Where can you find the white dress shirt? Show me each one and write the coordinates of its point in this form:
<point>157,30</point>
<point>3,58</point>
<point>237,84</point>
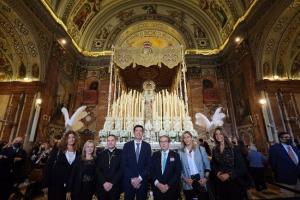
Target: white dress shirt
<point>191,162</point>
<point>286,147</point>
<point>162,157</point>
<point>135,146</point>
<point>70,155</point>
<point>161,161</point>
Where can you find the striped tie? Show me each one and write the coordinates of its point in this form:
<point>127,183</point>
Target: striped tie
<point>137,152</point>
<point>292,155</point>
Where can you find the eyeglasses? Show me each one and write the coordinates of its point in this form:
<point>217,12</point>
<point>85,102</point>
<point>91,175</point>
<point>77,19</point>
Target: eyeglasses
<point>164,141</point>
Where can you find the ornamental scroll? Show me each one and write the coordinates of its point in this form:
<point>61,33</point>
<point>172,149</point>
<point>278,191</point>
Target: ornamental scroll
<point>147,56</point>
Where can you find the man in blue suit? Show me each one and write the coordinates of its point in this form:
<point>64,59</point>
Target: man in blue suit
<point>136,158</point>
<point>165,171</point>
<point>284,159</point>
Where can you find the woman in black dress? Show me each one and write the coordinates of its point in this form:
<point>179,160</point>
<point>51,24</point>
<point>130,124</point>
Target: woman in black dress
<point>83,177</point>
<point>229,168</point>
<point>59,167</point>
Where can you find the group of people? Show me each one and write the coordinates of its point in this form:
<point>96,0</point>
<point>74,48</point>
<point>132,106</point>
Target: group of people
<point>196,171</point>
<point>12,162</point>
<point>73,175</point>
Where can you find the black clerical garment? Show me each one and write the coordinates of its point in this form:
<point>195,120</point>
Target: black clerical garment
<point>108,169</point>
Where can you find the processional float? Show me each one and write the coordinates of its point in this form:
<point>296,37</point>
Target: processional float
<point>163,112</point>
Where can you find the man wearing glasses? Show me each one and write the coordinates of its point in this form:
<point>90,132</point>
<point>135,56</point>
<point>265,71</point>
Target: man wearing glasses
<point>284,160</point>
<point>165,171</point>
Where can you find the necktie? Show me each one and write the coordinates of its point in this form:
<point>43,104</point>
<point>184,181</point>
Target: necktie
<point>137,152</point>
<point>292,155</point>
<point>164,162</point>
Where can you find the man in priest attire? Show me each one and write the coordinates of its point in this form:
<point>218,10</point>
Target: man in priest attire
<point>108,171</point>
<point>136,158</point>
<point>165,171</point>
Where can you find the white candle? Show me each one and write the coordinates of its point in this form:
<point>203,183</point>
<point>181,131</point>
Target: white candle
<point>143,109</point>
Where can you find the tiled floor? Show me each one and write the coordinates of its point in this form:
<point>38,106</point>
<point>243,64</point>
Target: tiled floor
<point>273,192</point>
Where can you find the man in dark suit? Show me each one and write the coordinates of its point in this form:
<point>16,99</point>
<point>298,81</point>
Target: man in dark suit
<point>136,158</point>
<point>12,162</point>
<point>284,159</point>
<point>108,170</point>
<point>165,171</point>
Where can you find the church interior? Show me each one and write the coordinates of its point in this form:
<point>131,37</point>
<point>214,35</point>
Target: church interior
<point>155,63</point>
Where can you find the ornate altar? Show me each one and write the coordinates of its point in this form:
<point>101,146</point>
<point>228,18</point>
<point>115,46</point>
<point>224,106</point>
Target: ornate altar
<point>160,111</point>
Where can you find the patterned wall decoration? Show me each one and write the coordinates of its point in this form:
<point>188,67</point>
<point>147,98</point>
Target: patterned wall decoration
<point>5,68</point>
<point>240,99</point>
<point>21,44</point>
<point>208,22</point>
<point>295,69</point>
<point>277,46</point>
<point>195,35</point>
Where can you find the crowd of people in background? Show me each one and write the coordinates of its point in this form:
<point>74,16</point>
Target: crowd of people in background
<point>64,171</point>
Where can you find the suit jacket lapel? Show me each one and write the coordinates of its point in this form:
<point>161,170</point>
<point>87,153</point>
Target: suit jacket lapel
<point>65,157</point>
<point>142,147</point>
<point>159,162</point>
<point>283,150</point>
<point>133,149</point>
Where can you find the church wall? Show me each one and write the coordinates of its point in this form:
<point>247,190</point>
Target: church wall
<point>16,99</point>
<point>283,106</point>
<point>92,91</point>
<point>206,92</point>
<point>4,99</point>
<point>58,90</point>
<point>249,122</point>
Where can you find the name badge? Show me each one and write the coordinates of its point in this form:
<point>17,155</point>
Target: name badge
<point>172,159</point>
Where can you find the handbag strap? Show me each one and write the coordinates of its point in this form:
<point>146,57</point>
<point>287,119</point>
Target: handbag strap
<point>202,158</point>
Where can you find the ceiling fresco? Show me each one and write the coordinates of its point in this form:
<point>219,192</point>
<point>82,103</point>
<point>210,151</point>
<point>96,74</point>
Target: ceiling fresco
<point>23,47</point>
<point>278,51</point>
<point>95,25</point>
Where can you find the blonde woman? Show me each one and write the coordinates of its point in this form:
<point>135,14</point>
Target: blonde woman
<point>83,177</point>
<point>59,166</point>
<point>195,168</point>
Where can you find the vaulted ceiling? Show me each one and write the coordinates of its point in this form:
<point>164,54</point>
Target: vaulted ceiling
<point>23,44</point>
<point>95,25</point>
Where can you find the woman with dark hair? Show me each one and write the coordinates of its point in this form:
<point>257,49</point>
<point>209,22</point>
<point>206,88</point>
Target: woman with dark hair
<point>82,182</point>
<point>229,168</point>
<point>59,166</point>
<point>195,168</point>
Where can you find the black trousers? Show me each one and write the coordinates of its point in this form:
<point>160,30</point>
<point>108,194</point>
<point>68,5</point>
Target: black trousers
<point>6,187</point>
<point>172,194</point>
<point>230,190</point>
<point>57,192</point>
<point>198,191</point>
<point>190,194</point>
<point>139,194</point>
<point>257,174</point>
<point>113,194</point>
